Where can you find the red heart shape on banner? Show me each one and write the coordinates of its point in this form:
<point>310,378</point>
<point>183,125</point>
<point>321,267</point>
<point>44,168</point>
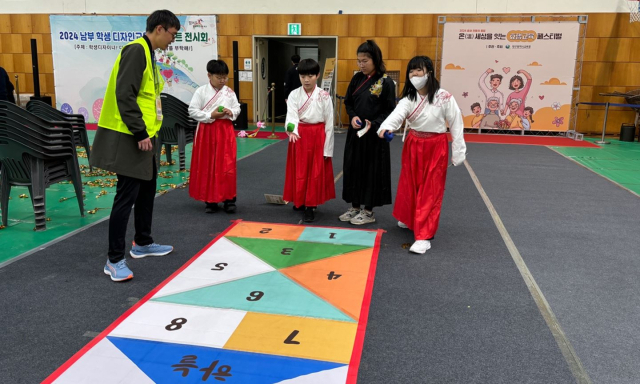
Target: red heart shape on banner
<point>506,69</point>
<point>541,97</point>
<point>167,73</point>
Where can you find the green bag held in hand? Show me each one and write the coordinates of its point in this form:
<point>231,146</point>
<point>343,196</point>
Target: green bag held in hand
<point>220,108</point>
<point>290,127</point>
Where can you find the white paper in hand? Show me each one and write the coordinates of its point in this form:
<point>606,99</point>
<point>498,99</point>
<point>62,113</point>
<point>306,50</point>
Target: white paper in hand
<point>364,130</point>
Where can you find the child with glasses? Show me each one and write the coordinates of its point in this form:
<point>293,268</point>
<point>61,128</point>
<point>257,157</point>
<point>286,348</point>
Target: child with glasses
<point>213,160</point>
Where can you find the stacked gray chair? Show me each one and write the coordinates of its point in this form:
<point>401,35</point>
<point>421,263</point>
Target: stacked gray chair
<point>177,128</point>
<point>47,112</point>
<point>35,153</point>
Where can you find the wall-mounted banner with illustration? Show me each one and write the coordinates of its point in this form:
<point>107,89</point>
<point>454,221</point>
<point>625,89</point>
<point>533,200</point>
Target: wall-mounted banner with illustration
<point>516,76</point>
<point>85,48</point>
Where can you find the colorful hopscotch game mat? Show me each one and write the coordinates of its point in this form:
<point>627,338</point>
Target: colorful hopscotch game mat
<point>261,304</point>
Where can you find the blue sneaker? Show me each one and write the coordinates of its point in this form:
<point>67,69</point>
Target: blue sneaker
<point>118,271</point>
<point>153,249</point>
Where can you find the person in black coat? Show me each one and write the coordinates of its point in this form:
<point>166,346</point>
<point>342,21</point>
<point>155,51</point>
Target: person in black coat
<point>6,87</point>
<point>291,78</point>
<point>370,98</point>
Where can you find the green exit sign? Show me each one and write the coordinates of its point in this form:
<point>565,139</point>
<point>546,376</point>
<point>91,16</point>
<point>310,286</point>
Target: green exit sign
<point>295,29</point>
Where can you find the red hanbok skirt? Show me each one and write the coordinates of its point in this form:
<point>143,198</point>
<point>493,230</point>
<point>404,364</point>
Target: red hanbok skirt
<point>421,187</point>
<point>309,177</point>
<point>213,162</point>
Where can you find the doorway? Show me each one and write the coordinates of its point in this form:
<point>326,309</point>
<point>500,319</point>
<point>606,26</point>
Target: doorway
<point>272,58</point>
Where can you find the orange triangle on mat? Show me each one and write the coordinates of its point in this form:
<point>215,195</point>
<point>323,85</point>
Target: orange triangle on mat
<point>340,280</point>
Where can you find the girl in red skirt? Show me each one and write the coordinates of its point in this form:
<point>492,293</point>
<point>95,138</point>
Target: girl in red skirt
<point>213,159</point>
<point>309,178</point>
<point>427,109</point>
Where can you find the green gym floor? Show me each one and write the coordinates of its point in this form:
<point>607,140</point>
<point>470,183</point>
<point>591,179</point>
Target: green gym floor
<point>618,161</point>
<point>63,213</point>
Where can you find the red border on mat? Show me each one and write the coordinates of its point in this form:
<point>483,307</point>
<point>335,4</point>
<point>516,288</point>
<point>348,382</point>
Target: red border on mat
<point>120,319</point>
<point>354,364</point>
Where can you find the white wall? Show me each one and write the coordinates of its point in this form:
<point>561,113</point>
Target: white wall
<point>206,7</point>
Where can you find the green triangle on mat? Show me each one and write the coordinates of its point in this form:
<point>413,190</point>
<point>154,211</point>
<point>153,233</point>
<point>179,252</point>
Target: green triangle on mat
<point>269,292</point>
<point>284,253</point>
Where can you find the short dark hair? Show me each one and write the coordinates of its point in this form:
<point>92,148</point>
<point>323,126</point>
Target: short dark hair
<point>496,76</point>
<point>370,48</point>
<point>163,17</point>
<point>295,59</point>
<point>475,105</point>
<point>217,67</point>
<point>308,67</point>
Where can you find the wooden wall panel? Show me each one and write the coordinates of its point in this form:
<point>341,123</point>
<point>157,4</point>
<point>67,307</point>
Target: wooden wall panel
<point>590,121</point>
<point>228,25</point>
<point>362,25</point>
<point>347,47</point>
<point>420,25</point>
<point>278,24</point>
<point>246,25</point>
<point>245,46</point>
<point>5,23</point>
<point>40,23</point>
<point>335,25</point>
<point>246,90</point>
<point>311,24</point>
<point>614,49</point>
<point>6,62</point>
<point>21,23</point>
<point>223,46</point>
<point>427,46</point>
<point>260,24</point>
<point>402,47</point>
<point>389,25</point>
<point>591,49</point>
<point>345,69</point>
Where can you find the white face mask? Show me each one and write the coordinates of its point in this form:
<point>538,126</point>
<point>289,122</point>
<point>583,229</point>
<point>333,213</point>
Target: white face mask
<point>419,82</point>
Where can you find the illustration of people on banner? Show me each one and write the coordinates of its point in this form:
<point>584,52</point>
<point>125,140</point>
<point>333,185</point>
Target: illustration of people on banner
<point>511,76</point>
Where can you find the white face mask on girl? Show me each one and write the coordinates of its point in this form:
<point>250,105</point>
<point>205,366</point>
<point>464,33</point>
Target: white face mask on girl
<point>419,82</point>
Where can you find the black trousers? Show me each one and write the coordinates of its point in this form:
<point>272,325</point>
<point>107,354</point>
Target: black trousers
<point>130,191</point>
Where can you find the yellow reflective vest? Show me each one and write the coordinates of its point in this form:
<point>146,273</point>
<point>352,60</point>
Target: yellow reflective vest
<point>150,89</point>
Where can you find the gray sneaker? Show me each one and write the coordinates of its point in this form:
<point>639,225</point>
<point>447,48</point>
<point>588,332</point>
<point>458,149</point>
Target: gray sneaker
<point>350,214</point>
<point>364,217</point>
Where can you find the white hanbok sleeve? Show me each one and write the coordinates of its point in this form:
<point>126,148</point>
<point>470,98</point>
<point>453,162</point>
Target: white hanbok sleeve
<point>235,106</point>
<point>453,115</point>
<point>327,108</point>
<point>292,112</point>
<point>196,105</point>
<point>393,122</point>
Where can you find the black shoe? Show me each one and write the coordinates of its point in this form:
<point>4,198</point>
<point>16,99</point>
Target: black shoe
<point>211,208</point>
<point>308,215</point>
<point>229,207</point>
<point>299,209</point>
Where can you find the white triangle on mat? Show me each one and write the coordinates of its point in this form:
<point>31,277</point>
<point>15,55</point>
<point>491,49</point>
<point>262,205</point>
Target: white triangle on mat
<point>206,269</point>
<point>330,376</point>
<point>181,324</point>
<point>103,364</point>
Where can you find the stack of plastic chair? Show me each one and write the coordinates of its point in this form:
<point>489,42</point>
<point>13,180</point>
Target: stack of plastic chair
<point>35,153</point>
<point>177,128</point>
<point>47,112</point>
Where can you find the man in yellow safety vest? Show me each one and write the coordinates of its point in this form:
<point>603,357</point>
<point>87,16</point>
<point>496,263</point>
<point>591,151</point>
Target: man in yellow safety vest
<point>131,117</point>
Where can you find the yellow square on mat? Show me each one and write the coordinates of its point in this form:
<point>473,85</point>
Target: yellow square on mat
<point>301,337</point>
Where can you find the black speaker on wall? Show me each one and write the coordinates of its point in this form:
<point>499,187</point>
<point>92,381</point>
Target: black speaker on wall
<point>36,74</point>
